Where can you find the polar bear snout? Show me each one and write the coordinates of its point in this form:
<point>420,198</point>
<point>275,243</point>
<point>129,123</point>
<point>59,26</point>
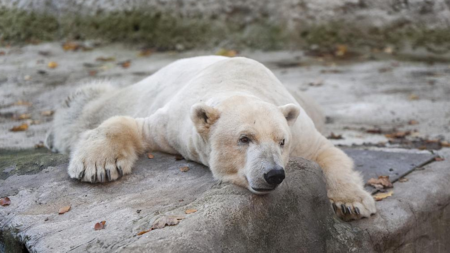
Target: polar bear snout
<point>275,176</point>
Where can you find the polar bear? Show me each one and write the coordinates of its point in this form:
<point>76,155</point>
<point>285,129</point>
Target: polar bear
<point>230,114</point>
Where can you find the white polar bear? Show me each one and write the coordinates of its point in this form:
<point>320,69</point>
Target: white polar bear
<point>231,114</point>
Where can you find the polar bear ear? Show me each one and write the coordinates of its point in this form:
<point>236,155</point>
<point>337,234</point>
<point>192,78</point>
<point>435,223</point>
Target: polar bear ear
<point>204,117</point>
<point>290,112</point>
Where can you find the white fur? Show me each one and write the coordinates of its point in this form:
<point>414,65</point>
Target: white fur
<point>199,108</point>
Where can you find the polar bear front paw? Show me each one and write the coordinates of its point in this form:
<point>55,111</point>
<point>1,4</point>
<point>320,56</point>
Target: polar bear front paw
<point>351,202</point>
<point>101,156</point>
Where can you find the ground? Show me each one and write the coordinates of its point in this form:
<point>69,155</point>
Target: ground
<point>377,101</point>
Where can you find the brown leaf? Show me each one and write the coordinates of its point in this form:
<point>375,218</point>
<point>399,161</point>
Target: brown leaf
<point>178,157</point>
<point>445,144</point>
<point>52,65</point>
<point>341,50</point>
<point>145,231</point>
<point>335,136</point>
<point>150,156</point>
<point>225,52</point>
<point>189,211</point>
<point>105,59</point>
<point>71,46</point>
<point>413,97</point>
<point>24,116</point>
<point>397,135</point>
<point>20,128</point>
<point>184,169</point>
<point>99,225</point>
<point>5,201</point>
<point>383,195</point>
<point>166,221</point>
<point>21,102</point>
<point>125,64</point>
<point>64,209</point>
<point>145,52</point>
<point>382,182</point>
<point>47,113</point>
<point>374,131</point>
<point>413,122</point>
<point>439,159</point>
<point>93,72</point>
<point>2,53</point>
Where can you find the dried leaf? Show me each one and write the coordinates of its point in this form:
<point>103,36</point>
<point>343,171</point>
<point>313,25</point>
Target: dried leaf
<point>2,53</point>
<point>39,145</point>
<point>47,113</point>
<point>20,128</point>
<point>150,156</point>
<point>413,97</point>
<point>21,102</point>
<point>24,116</point>
<point>179,157</point>
<point>166,221</point>
<point>413,122</point>
<point>335,136</point>
<point>225,52</point>
<point>145,52</point>
<point>52,65</point>
<point>125,64</point>
<point>439,159</point>
<point>105,59</point>
<point>383,195</point>
<point>445,144</point>
<point>397,135</point>
<point>64,209</point>
<point>341,50</point>
<point>92,72</point>
<point>403,180</point>
<point>145,231</point>
<point>382,182</point>
<point>71,46</point>
<point>184,169</point>
<point>189,211</point>
<point>99,225</point>
<point>374,131</point>
<point>5,201</point>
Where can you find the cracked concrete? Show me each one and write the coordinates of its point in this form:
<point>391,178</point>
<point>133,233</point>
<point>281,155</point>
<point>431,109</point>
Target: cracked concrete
<point>356,94</point>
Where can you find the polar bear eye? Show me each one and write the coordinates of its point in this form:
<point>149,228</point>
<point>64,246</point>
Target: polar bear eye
<point>244,140</point>
<point>282,143</point>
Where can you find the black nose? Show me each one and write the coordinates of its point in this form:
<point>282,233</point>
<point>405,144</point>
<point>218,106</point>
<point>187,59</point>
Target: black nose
<point>275,176</point>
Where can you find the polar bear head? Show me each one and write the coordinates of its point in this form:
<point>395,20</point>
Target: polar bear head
<point>250,140</point>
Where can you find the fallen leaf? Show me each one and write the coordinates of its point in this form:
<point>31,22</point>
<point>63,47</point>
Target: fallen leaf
<point>179,157</point>
<point>145,52</point>
<point>397,135</point>
<point>445,144</point>
<point>439,159</point>
<point>5,201</point>
<point>24,116</point>
<point>70,46</point>
<point>335,136</point>
<point>413,97</point>
<point>105,59</point>
<point>383,195</point>
<point>150,156</point>
<point>20,128</point>
<point>99,225</point>
<point>184,169</point>
<point>64,209</point>
<point>382,182</point>
<point>2,53</point>
<point>374,131</point>
<point>189,211</point>
<point>125,64</point>
<point>47,113</point>
<point>21,102</point>
<point>39,145</point>
<point>341,50</point>
<point>403,180</point>
<point>145,231</point>
<point>52,65</point>
<point>225,52</point>
<point>413,122</point>
<point>93,73</point>
<point>166,221</point>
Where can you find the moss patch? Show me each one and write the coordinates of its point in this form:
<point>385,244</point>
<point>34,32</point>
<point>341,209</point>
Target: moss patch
<point>30,161</point>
